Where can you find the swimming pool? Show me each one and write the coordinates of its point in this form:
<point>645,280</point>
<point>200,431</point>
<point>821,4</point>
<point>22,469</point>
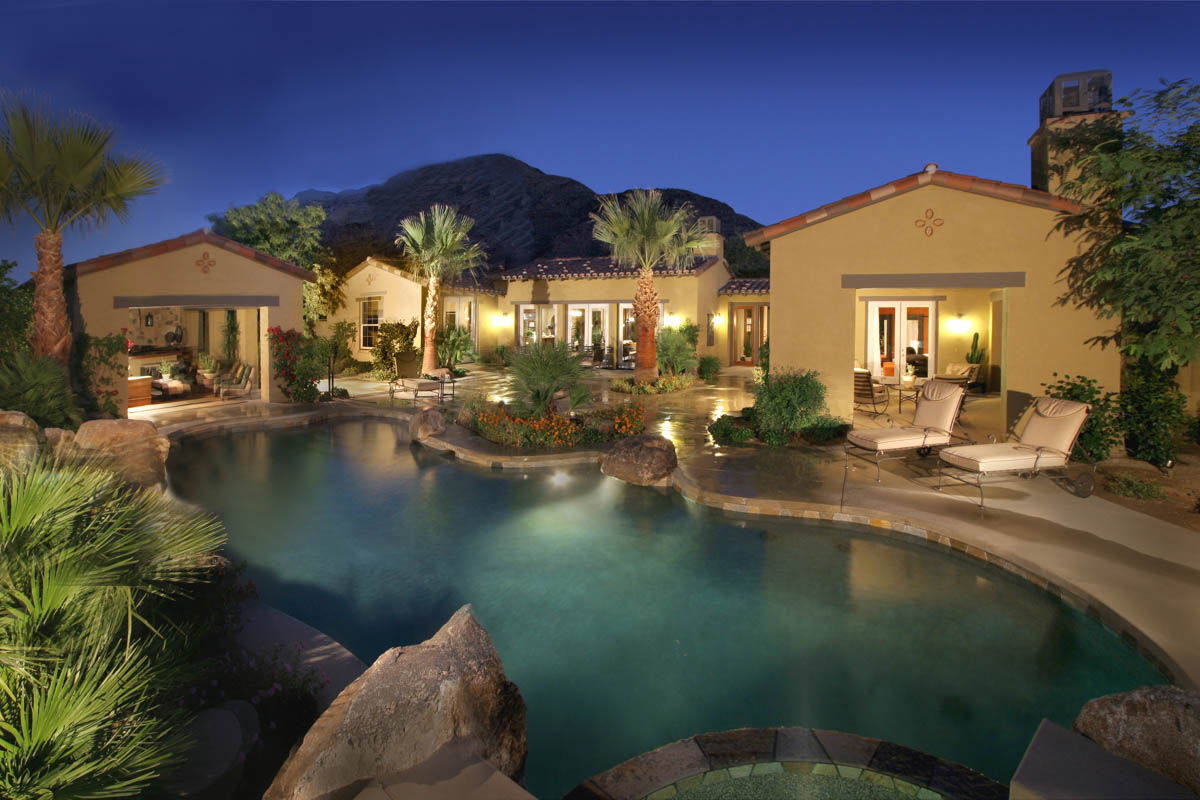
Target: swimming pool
<point>630,618</point>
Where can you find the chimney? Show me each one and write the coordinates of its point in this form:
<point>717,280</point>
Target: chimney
<point>1069,99</point>
<point>715,245</point>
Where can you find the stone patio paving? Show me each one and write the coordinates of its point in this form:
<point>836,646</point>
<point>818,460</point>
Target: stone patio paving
<point>1124,563</point>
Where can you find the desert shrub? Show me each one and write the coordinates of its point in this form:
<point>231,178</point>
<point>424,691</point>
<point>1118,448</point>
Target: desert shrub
<point>1153,413</point>
<point>762,373</point>
<point>789,401</point>
<point>454,345</point>
<point>392,338</point>
<point>88,664</point>
<point>1102,431</point>
<point>352,366</point>
<point>775,438</point>
<point>661,385</point>
<point>824,429</point>
<point>503,355</point>
<point>690,332</point>
<point>16,312</point>
<point>726,429</point>
<point>38,387</point>
<point>675,353</point>
<point>709,367</point>
<point>1132,486</point>
<point>543,370</point>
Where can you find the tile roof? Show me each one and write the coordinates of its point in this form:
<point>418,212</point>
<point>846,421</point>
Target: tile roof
<point>471,282</point>
<point>204,235</point>
<point>559,269</point>
<point>746,286</point>
<point>930,175</point>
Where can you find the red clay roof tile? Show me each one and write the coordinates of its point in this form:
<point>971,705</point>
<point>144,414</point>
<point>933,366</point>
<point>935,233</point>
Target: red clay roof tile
<point>180,242</point>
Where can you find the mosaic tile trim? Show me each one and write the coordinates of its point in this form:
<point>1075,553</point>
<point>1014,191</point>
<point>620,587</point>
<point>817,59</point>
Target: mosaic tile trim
<point>711,758</point>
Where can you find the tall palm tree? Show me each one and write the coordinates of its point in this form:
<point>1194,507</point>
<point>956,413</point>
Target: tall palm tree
<point>436,246</point>
<point>644,232</point>
<point>58,171</point>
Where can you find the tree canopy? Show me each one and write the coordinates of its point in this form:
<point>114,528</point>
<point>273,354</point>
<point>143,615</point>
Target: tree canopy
<point>745,261</point>
<point>1137,175</point>
<point>291,232</point>
<point>16,312</point>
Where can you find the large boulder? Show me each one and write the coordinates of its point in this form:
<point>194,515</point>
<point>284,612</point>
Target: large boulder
<point>1155,726</point>
<point>20,439</point>
<point>132,448</point>
<point>408,705</point>
<point>645,459</point>
<point>59,442</point>
<point>425,423</point>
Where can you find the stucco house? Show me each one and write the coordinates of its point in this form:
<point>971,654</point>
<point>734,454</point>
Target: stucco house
<point>176,296</point>
<point>910,270</point>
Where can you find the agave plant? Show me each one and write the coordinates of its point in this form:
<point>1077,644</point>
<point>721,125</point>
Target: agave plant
<point>88,567</point>
<point>542,371</point>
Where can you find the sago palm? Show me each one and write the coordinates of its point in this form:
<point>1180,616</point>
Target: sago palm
<point>644,233</point>
<point>59,171</point>
<point>436,246</point>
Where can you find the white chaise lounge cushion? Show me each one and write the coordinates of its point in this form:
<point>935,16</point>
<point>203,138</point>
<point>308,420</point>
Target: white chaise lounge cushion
<point>1054,423</point>
<point>908,438</point>
<point>1009,456</point>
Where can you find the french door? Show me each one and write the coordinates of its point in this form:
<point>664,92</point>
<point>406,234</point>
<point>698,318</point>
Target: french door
<point>902,334</point>
<point>587,324</point>
<point>748,330</point>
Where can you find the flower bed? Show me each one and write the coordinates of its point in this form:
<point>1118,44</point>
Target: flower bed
<point>495,424</point>
<point>665,383</point>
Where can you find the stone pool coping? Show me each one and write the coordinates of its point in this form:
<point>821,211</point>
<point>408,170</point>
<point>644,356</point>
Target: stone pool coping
<point>709,758</point>
<point>467,449</point>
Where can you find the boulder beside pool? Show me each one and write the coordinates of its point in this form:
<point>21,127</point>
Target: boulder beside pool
<point>134,449</point>
<point>1155,726</point>
<point>406,707</point>
<point>646,459</point>
<point>425,423</point>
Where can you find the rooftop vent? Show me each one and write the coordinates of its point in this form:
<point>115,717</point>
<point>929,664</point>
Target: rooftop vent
<point>1076,93</point>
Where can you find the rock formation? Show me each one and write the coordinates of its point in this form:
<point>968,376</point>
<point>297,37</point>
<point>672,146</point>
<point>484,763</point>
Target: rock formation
<point>645,459</point>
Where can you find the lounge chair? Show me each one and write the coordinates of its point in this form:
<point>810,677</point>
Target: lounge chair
<point>869,397</point>
<point>938,407</point>
<point>1044,445</point>
<point>965,374</point>
<point>242,389</point>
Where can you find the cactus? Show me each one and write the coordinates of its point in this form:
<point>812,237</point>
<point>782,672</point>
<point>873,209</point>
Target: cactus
<point>977,354</point>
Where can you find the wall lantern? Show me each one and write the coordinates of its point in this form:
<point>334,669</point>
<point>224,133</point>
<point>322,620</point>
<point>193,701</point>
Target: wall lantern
<point>718,318</point>
<point>501,320</point>
<point>670,320</point>
<point>958,324</point>
<point>148,321</point>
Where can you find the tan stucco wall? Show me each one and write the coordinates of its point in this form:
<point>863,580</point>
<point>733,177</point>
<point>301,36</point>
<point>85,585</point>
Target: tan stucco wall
<point>725,304</point>
<point>177,273</point>
<point>399,300</point>
<point>815,324</point>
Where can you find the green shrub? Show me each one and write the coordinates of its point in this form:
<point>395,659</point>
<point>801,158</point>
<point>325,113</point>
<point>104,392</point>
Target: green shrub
<point>709,367</point>
<point>789,401</point>
<point>89,665</point>
<point>675,353</point>
<point>101,364</point>
<point>454,345</point>
<point>825,429</point>
<point>297,362</point>
<point>762,373</point>
<point>662,385</point>
<point>352,366</point>
<point>726,429</point>
<point>775,438</point>
<point>340,392</point>
<point>690,332</point>
<point>392,338</point>
<point>38,387</point>
<point>1153,413</point>
<point>503,355</point>
<point>541,371</point>
<point>16,312</point>
<point>1131,486</point>
<point>1102,431</point>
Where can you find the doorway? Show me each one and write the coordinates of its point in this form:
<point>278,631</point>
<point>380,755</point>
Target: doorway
<point>902,338</point>
<point>748,330</point>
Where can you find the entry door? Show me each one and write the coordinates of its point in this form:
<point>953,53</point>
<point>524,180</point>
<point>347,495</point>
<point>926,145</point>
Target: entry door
<point>747,333</point>
<point>587,324</point>
<point>901,334</point>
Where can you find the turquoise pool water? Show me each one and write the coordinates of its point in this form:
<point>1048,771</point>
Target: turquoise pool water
<point>630,618</point>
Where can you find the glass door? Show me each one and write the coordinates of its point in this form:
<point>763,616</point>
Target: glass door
<point>744,331</point>
<point>901,338</point>
<point>528,325</point>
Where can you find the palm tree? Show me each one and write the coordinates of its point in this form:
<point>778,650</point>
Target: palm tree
<point>644,232</point>
<point>436,245</point>
<point>58,171</point>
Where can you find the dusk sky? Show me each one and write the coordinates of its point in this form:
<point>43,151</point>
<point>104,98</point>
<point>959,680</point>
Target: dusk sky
<point>772,108</point>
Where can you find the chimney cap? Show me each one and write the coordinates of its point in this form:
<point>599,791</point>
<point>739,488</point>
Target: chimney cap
<point>931,167</point>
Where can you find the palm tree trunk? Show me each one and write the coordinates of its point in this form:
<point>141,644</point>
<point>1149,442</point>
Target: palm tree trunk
<point>50,333</point>
<point>429,361</point>
<point>645,311</point>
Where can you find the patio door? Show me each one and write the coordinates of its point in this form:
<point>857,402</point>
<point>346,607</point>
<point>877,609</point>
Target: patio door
<point>902,334</point>
<point>587,324</point>
<point>459,311</point>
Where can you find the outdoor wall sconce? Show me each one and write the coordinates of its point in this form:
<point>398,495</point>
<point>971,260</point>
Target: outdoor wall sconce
<point>670,320</point>
<point>959,324</point>
<point>148,321</point>
<point>501,320</point>
<point>718,318</point>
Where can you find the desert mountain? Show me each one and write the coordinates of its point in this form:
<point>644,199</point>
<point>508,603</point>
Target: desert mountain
<point>520,212</point>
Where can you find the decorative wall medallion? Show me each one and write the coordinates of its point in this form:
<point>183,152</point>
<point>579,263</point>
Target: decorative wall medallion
<point>929,222</point>
<point>370,278</point>
<point>205,262</point>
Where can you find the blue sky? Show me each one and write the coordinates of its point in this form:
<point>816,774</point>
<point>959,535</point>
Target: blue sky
<point>772,108</point>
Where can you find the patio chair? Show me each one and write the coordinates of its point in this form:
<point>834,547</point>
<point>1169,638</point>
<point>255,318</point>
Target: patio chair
<point>1044,446</point>
<point>933,425</point>
<point>965,374</point>
<point>869,397</point>
<point>243,389</point>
